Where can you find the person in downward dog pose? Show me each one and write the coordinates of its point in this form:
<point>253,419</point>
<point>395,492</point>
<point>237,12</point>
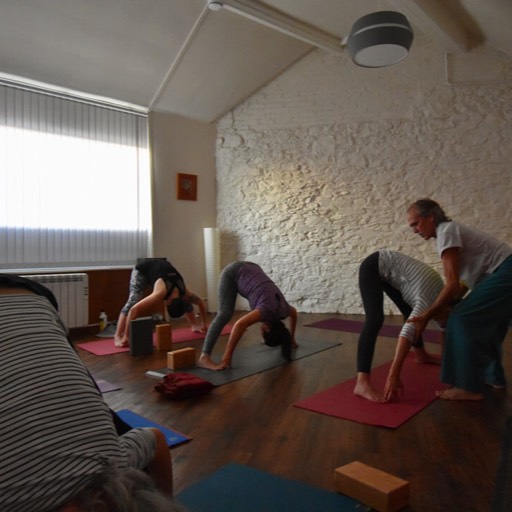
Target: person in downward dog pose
<point>412,286</point>
<point>168,286</point>
<point>267,304</point>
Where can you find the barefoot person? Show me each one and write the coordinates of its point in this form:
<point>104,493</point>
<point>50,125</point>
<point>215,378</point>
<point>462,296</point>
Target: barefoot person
<point>477,326</point>
<point>267,304</point>
<point>412,286</point>
<point>168,286</point>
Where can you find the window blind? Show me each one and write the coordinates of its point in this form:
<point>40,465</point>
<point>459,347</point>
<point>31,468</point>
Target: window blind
<point>74,182</point>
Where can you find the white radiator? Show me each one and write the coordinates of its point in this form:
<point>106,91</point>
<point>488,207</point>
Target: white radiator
<point>72,294</point>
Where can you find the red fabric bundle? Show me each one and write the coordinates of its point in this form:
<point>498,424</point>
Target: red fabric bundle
<point>181,385</point>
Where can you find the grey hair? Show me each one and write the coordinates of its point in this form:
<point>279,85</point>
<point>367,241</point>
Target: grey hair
<point>123,490</point>
<point>426,207</point>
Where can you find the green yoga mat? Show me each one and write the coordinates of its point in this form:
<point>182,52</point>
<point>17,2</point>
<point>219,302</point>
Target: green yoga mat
<point>236,488</point>
<point>249,361</point>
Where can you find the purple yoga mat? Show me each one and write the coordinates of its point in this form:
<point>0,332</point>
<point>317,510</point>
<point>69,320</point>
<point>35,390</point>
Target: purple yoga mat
<point>391,331</point>
<point>105,386</point>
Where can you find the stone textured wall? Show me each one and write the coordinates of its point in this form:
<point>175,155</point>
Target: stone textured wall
<point>316,170</point>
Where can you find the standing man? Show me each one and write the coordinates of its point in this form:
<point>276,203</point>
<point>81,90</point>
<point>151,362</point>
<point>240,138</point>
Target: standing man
<point>477,325</point>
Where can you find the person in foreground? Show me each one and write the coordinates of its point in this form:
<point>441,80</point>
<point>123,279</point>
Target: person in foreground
<point>412,286</point>
<point>168,286</point>
<point>114,490</point>
<point>478,324</point>
<point>59,442</point>
<point>267,304</point>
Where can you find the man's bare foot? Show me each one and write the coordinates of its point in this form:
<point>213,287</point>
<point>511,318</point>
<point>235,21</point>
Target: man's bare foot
<point>120,342</point>
<point>423,357</point>
<point>205,361</point>
<point>197,328</point>
<point>458,394</point>
<point>365,390</point>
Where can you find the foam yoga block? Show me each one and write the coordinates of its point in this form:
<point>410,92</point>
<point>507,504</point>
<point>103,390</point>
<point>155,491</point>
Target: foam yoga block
<point>181,358</point>
<point>163,337</point>
<point>373,487</point>
<point>141,336</point>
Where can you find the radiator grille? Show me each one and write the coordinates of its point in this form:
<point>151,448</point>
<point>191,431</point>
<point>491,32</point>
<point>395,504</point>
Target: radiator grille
<point>72,294</point>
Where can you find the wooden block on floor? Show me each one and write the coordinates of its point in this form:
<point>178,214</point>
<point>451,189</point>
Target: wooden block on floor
<point>163,337</point>
<point>379,490</point>
<point>181,358</point>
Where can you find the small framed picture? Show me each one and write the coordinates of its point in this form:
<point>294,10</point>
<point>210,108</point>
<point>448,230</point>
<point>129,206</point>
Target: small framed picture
<point>186,187</point>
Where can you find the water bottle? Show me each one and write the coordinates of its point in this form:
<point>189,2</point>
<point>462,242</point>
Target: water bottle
<point>103,320</point>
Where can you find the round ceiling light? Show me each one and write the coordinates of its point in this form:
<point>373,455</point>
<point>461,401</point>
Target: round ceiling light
<point>215,6</point>
<point>380,39</point>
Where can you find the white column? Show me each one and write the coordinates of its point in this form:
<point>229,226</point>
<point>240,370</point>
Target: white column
<point>212,261</point>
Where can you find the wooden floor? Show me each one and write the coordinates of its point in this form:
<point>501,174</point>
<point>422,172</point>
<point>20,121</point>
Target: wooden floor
<point>449,452</point>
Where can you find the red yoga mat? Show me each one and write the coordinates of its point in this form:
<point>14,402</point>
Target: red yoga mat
<point>420,383</point>
<point>105,346</point>
<point>391,331</point>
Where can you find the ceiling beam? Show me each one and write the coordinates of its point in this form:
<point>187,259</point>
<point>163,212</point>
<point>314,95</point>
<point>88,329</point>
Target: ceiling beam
<point>433,17</point>
<point>179,56</point>
<point>274,19</point>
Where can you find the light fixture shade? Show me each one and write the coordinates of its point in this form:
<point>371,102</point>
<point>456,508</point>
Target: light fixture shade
<point>380,39</point>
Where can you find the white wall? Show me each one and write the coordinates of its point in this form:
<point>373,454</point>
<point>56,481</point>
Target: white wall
<point>181,145</point>
<point>316,170</point>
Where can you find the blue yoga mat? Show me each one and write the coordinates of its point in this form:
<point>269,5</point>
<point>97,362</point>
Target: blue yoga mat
<point>235,487</point>
<point>134,420</point>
